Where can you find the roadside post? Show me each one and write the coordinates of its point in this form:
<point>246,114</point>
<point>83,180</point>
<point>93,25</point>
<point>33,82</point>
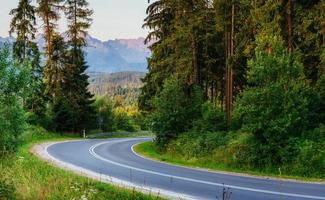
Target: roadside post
<point>84,133</point>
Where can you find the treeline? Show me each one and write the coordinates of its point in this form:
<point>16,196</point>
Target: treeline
<point>113,114</point>
<point>122,85</point>
<point>54,92</point>
<point>241,79</point>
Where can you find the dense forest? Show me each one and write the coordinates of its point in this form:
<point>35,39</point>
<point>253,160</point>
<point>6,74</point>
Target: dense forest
<point>123,85</point>
<point>240,82</point>
<point>47,89</point>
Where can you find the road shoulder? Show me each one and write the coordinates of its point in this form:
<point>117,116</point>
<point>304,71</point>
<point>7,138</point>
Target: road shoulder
<point>139,152</point>
<point>40,150</point>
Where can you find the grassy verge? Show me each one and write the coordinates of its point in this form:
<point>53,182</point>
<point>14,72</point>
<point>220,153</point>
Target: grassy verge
<point>148,149</point>
<point>23,176</point>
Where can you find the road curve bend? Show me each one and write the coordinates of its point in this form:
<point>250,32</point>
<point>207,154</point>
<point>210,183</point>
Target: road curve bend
<point>115,159</point>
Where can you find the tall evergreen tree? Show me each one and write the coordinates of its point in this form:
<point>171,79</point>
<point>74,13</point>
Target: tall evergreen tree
<point>36,103</point>
<point>75,86</point>
<point>54,74</point>
<point>48,10</point>
<point>23,25</point>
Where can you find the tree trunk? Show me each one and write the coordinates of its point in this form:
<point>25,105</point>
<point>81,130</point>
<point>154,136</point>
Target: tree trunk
<point>289,24</point>
<point>229,67</point>
<point>194,61</point>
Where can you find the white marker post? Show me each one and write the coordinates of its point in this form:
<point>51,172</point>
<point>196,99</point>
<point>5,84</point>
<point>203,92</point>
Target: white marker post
<point>84,133</point>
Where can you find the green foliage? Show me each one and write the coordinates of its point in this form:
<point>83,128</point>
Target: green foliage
<point>104,109</point>
<point>278,104</point>
<point>14,83</point>
<point>175,110</point>
<point>63,115</point>
<point>212,120</point>
<point>112,117</point>
<point>6,191</point>
<point>36,102</point>
<point>122,121</point>
<point>122,85</point>
<point>23,24</point>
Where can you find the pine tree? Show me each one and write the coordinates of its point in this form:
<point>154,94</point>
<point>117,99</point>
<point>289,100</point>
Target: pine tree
<point>48,10</point>
<point>54,74</point>
<point>23,25</point>
<point>36,103</point>
<point>75,86</point>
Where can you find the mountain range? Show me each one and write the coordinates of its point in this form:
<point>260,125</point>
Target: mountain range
<point>109,56</point>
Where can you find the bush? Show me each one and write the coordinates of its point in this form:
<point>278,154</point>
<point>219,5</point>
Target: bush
<point>278,105</point>
<point>310,160</point>
<point>176,107</point>
<point>104,109</point>
<point>212,120</point>
<point>122,121</point>
<point>14,82</point>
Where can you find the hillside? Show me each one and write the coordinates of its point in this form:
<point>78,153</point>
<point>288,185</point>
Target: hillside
<point>124,85</point>
<point>110,56</point>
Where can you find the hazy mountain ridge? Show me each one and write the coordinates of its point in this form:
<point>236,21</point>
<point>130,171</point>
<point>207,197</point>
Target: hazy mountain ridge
<point>109,56</point>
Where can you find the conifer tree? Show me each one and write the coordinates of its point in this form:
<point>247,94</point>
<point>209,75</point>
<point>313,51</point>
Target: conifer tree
<point>75,86</point>
<point>23,26</point>
<point>48,10</point>
<point>36,103</point>
<point>54,74</point>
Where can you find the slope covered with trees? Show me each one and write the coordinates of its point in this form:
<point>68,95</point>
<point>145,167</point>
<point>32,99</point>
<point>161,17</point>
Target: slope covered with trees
<point>54,93</point>
<point>238,82</point>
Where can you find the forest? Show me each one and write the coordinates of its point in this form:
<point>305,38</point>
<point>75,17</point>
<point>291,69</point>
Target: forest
<point>235,84</point>
<point>49,87</point>
<point>239,83</point>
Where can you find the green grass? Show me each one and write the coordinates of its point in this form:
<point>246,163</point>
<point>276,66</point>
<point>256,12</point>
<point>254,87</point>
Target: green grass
<point>33,178</point>
<point>148,149</point>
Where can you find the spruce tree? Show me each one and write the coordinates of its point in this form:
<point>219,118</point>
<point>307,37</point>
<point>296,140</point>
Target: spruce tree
<point>23,25</point>
<point>48,10</point>
<point>55,72</point>
<point>75,86</point>
<point>36,103</point>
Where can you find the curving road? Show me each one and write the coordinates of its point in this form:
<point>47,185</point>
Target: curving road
<point>115,158</point>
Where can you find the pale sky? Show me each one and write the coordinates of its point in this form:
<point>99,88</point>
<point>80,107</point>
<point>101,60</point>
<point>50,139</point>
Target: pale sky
<point>112,19</point>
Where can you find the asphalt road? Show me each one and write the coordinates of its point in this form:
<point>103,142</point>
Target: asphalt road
<point>115,158</point>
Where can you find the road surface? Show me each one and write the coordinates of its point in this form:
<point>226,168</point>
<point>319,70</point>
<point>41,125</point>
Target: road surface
<point>115,158</point>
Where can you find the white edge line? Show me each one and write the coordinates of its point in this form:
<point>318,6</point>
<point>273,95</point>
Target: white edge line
<point>92,152</point>
<point>237,174</point>
<point>41,150</point>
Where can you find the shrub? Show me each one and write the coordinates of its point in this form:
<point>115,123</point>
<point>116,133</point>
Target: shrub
<point>212,120</point>
<point>278,105</point>
<point>122,121</point>
<point>14,82</point>
<point>104,109</point>
<point>176,107</point>
<point>310,160</point>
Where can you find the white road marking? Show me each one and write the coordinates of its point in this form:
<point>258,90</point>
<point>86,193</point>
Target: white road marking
<point>43,153</point>
<point>92,152</point>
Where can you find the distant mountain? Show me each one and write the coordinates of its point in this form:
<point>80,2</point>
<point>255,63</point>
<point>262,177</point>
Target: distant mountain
<point>110,56</point>
<point>117,55</point>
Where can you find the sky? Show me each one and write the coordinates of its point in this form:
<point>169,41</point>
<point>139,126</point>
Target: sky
<point>112,19</point>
